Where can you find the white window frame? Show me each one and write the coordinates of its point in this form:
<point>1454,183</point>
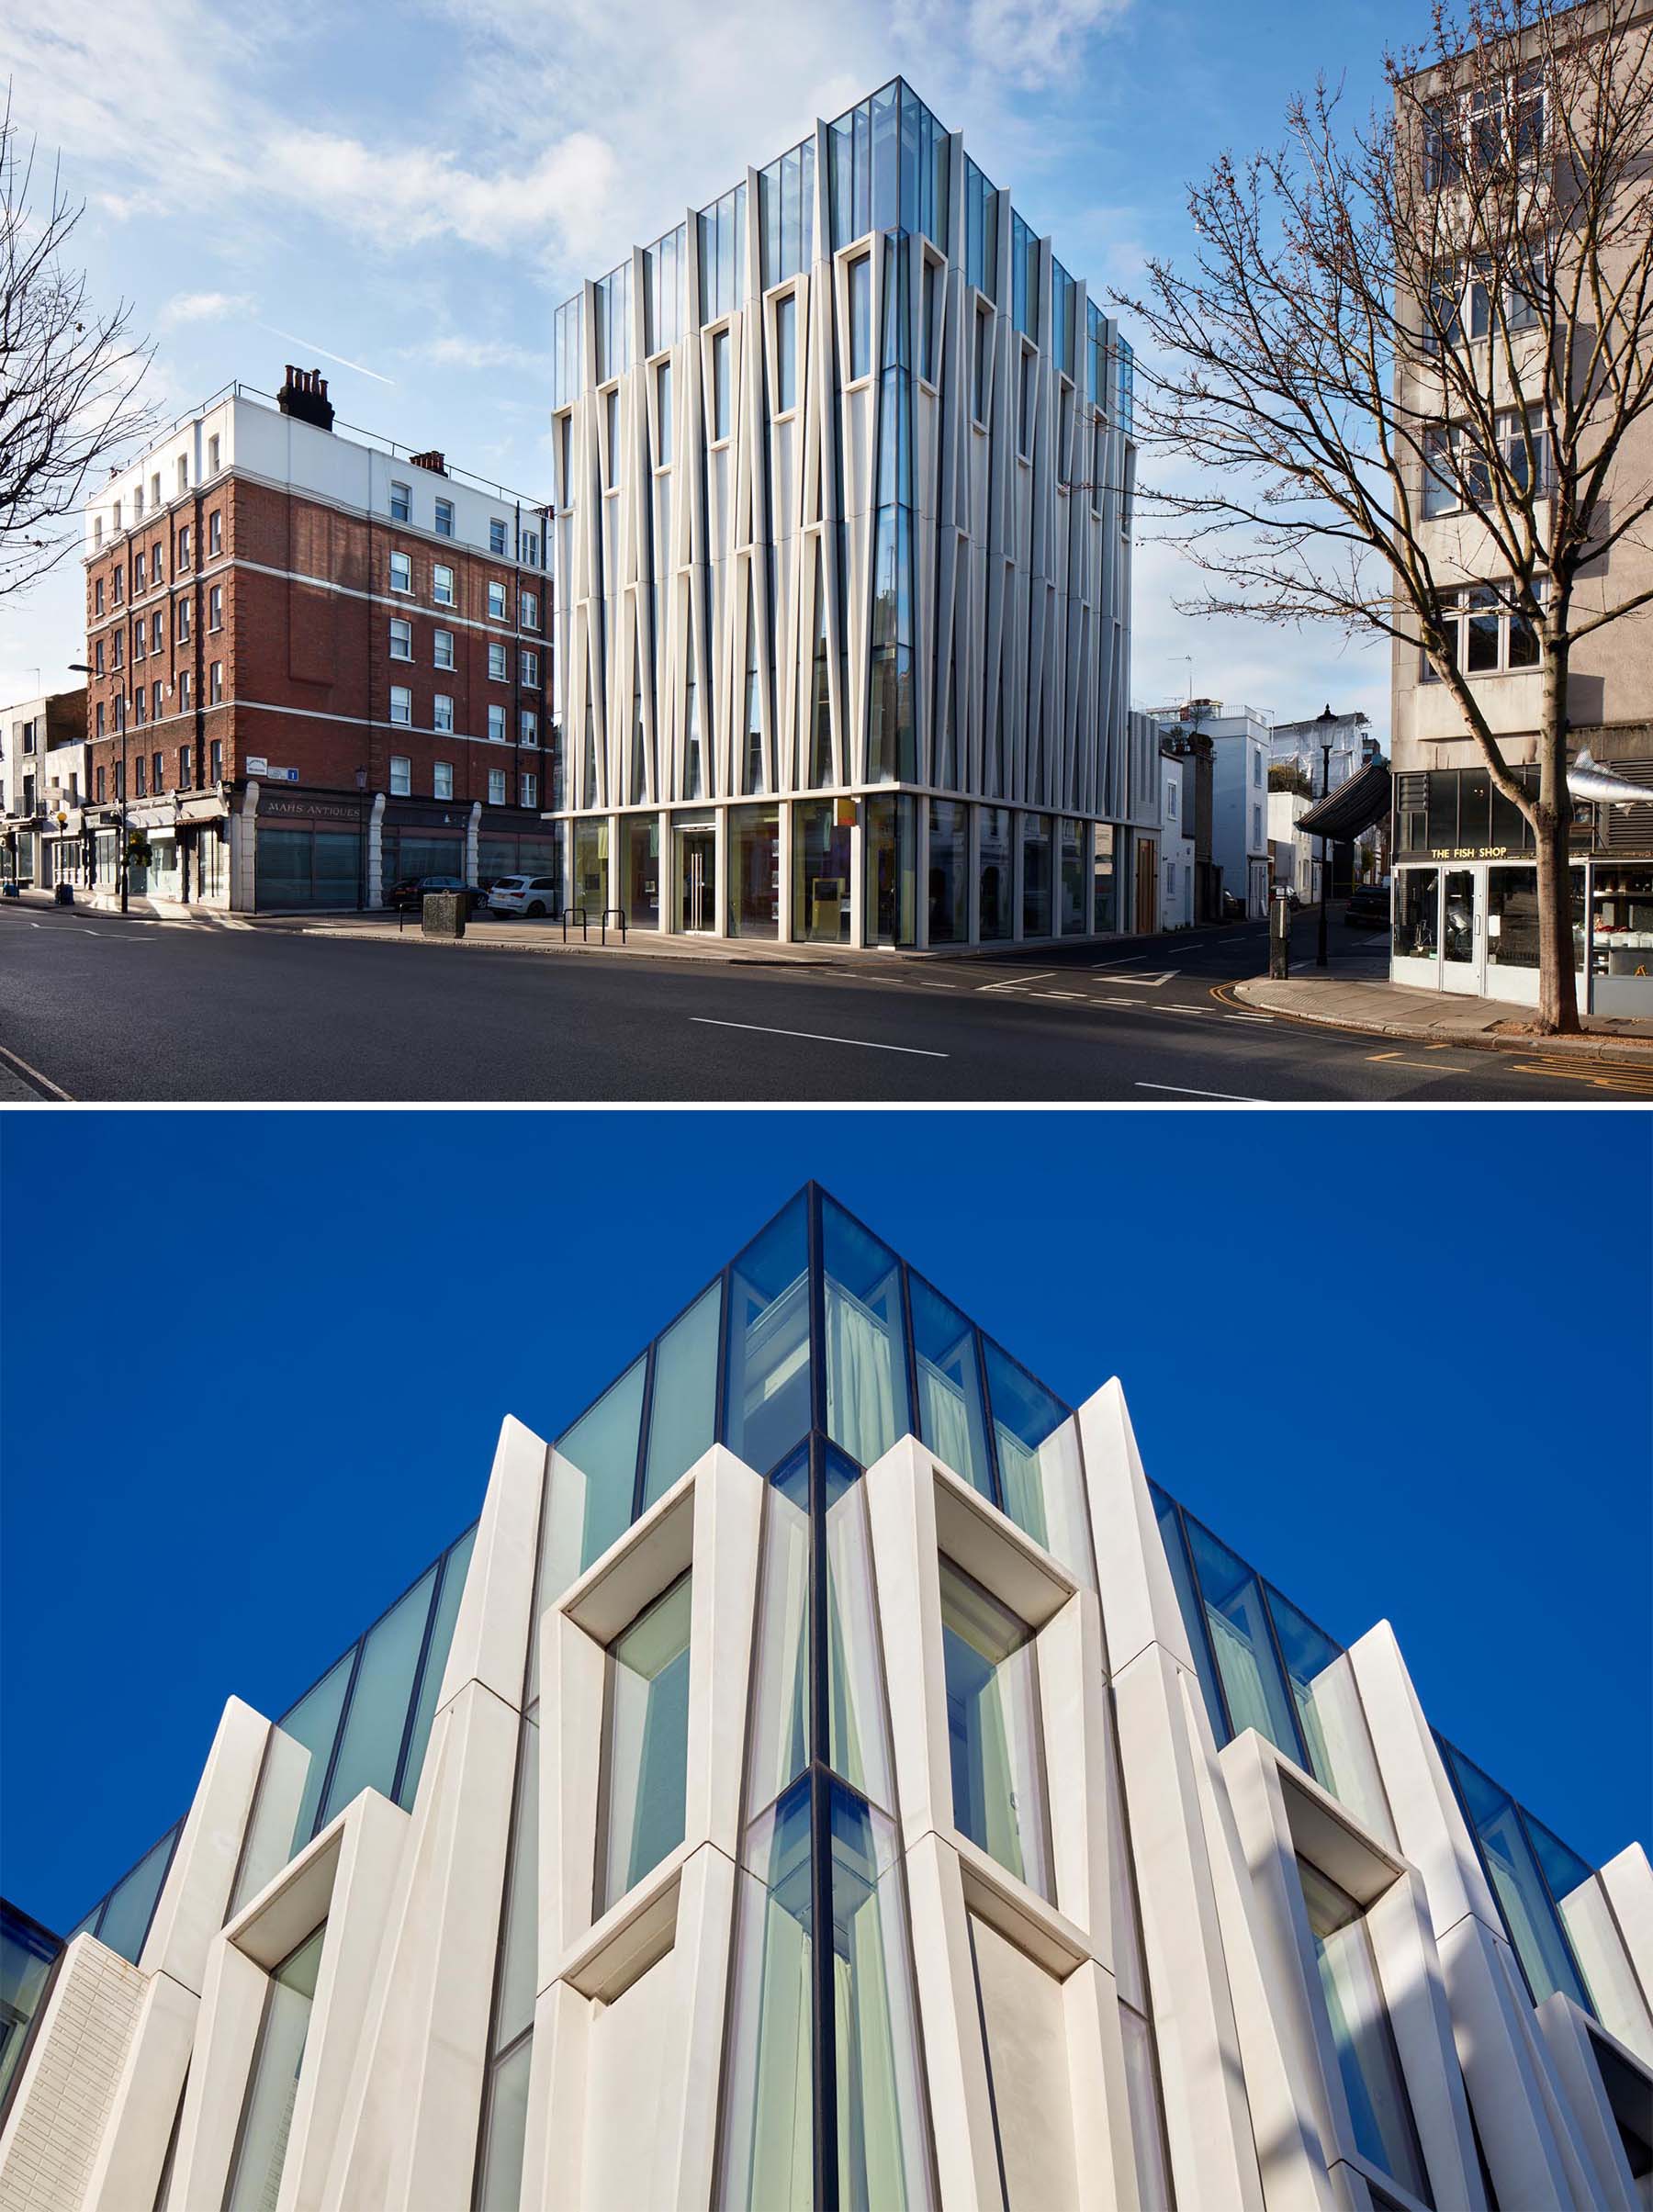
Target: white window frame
<point>401,572</point>
<point>401,776</point>
<point>496,724</point>
<point>401,705</point>
<point>442,650</point>
<point>497,602</point>
<point>498,666</point>
<point>442,712</point>
<point>444,518</point>
<point>441,780</point>
<point>401,501</point>
<point>442,584</point>
<point>401,637</point>
<point>496,787</point>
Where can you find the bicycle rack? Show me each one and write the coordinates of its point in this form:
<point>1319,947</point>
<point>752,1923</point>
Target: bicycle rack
<point>619,913</point>
<point>575,914</point>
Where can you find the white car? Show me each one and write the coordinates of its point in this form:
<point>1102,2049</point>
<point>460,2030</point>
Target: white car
<point>532,895</point>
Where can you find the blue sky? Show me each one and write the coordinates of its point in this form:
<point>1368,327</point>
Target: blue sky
<point>414,188</point>
<point>243,1410</point>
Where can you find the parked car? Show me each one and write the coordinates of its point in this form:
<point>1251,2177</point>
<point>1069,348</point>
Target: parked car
<point>530,895</point>
<point>1234,907</point>
<point>409,893</point>
<point>1368,907</point>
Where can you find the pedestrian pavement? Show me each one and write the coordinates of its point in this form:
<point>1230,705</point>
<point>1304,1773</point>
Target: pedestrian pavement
<point>1386,1009</point>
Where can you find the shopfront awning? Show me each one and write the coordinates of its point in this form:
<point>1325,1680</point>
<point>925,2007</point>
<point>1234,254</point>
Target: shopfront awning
<point>211,809</point>
<point>1352,807</point>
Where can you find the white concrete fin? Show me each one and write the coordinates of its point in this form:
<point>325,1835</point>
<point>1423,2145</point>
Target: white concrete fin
<point>1139,1598</point>
<point>195,1897</point>
<point>490,1634</point>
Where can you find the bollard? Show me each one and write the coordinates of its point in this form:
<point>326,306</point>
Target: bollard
<point>1279,939</point>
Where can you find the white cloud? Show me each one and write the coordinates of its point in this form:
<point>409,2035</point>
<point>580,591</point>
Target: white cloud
<point>455,352</point>
<point>208,307</point>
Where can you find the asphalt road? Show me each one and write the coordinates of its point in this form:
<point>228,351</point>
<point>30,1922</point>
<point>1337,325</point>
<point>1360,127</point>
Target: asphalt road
<point>94,1008</point>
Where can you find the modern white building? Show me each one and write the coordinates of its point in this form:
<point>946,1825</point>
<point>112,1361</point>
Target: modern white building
<point>1241,739</point>
<point>1295,856</point>
<point>1176,846</point>
<point>42,788</point>
<point>844,470</point>
<point>826,1614</point>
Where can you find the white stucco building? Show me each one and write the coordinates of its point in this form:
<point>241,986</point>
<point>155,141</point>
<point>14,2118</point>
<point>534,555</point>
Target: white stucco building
<point>845,469</point>
<point>1176,846</point>
<point>1241,739</point>
<point>826,1614</point>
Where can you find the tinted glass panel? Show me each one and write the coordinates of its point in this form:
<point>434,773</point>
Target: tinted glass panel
<point>1238,1626</point>
<point>866,1363</point>
<point>1193,1613</point>
<point>1307,1652</point>
<point>132,1906</point>
<point>951,1419</point>
<point>1367,2059</point>
<point>766,1402</point>
<point>646,1743</point>
<point>290,1790</point>
<point>267,2114</point>
<point>430,1685</point>
<point>1025,1414</point>
<point>603,1445</point>
<point>993,1729</point>
<point>1534,1924</point>
<point>371,1748</point>
<point>683,1415</point>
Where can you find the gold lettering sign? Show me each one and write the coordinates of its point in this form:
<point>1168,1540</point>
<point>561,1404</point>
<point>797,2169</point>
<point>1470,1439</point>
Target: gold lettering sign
<point>1469,852</point>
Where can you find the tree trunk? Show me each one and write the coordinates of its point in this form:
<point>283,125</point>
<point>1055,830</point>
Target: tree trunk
<point>1557,994</point>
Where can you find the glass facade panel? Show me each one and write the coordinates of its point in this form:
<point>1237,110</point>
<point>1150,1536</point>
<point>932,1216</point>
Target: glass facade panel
<point>1307,1651</point>
<point>1024,1415</point>
<point>27,1953</point>
<point>290,1790</point>
<point>997,868</point>
<point>430,1685</point>
<point>518,1930</point>
<point>882,2157</point>
<point>603,1445</point>
<point>754,873</point>
<point>892,868</point>
<point>1367,2059</point>
<point>866,1355</point>
<point>1237,1621</point>
<point>951,1411</point>
<point>267,2112</point>
<point>779,1745</point>
<point>131,1904</point>
<point>993,1727</point>
<point>645,1746</point>
<point>767,1392</point>
<point>370,1749</point>
<point>1193,1611</point>
<point>499,2184</point>
<point>949,908</point>
<point>1518,1883</point>
<point>1073,871</point>
<point>1036,875</point>
<point>858,1730</point>
<point>683,1417</point>
<point>768,2120</point>
<point>643,873</point>
<point>821,864</point>
<point>1105,875</point>
<point>590,863</point>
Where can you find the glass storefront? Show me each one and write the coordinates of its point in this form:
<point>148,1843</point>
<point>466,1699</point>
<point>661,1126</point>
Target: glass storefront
<point>591,867</point>
<point>1036,875</point>
<point>642,887</point>
<point>753,872</point>
<point>1105,877</point>
<point>1621,938</point>
<point>820,908</point>
<point>407,854</point>
<point>892,869</point>
<point>1416,913</point>
<point>297,868</point>
<point>1512,917</point>
<point>995,874</point>
<point>1071,863</point>
<point>949,872</point>
<point>695,843</point>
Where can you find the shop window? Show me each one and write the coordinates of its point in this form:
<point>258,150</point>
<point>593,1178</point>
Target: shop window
<point>1417,915</point>
<point>993,1729</point>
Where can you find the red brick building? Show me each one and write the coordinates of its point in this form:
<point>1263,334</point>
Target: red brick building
<point>318,664</point>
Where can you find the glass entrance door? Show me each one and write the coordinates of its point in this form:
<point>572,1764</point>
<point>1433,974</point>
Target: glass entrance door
<point>697,878</point>
<point>1464,931</point>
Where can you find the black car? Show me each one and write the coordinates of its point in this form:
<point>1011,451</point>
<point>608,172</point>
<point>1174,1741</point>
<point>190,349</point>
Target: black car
<point>1368,907</point>
<point>409,894</point>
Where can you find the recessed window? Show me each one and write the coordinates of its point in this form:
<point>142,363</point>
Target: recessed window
<point>1025,403</point>
<point>663,415</point>
<point>267,2108</point>
<point>185,688</point>
<point>183,474</point>
<point>214,533</point>
<point>155,572</point>
<point>442,778</point>
<point>215,687</point>
<point>496,536</point>
<point>529,787</point>
<point>610,426</point>
<point>137,572</point>
<point>401,703</point>
<point>530,610</point>
<point>496,787</point>
<point>993,1730</point>
<point>212,456</point>
<point>527,727</point>
<point>496,662</point>
<point>721,402</point>
<point>981,362</point>
<point>528,661</point>
<point>401,776</point>
<point>930,330</point>
<point>401,638</point>
<point>786,353</point>
<point>401,572</point>
<point>97,532</point>
<point>860,316</point>
<point>642,1792</point>
<point>442,713</point>
<point>402,503</point>
<point>442,585</point>
<point>496,601</point>
<point>215,608</point>
<point>98,595</point>
<point>444,651</point>
<point>183,547</point>
<point>444,518</point>
<point>1380,2109</point>
<point>496,724</point>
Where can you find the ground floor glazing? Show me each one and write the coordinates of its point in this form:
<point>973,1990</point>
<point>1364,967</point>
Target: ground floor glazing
<point>1472,926</point>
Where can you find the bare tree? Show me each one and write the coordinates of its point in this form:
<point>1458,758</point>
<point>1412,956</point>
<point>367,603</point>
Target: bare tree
<point>1410,356</point>
<point>69,375</point>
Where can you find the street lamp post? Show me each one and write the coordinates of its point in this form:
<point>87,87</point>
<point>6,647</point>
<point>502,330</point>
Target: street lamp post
<point>82,669</point>
<point>1325,843</point>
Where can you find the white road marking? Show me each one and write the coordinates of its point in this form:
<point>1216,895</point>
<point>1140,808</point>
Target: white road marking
<point>1265,1018</point>
<point>1232,1097</point>
<point>813,1037</point>
<point>1147,983</point>
<point>1015,983</point>
<point>34,1074</point>
<point>1059,994</point>
<point>1130,961</point>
